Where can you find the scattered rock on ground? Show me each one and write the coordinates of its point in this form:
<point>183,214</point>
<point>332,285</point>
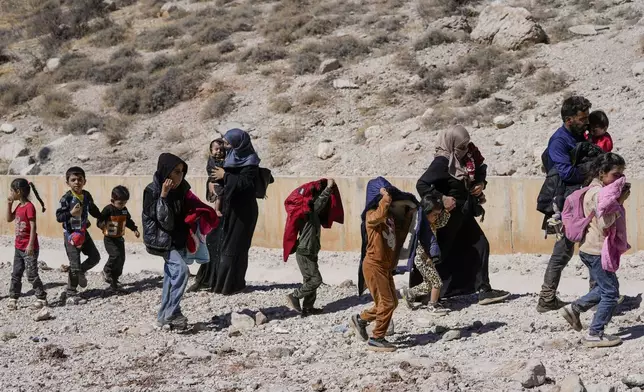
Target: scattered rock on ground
<point>583,30</point>
<point>92,131</point>
<point>344,84</point>
<point>21,164</point>
<point>52,64</point>
<point>508,27</point>
<point>347,284</point>
<point>638,69</point>
<point>634,380</point>
<point>83,158</point>
<point>167,9</point>
<point>600,388</point>
<point>43,315</point>
<point>7,128</point>
<point>572,384</point>
<point>279,352</point>
<point>52,351</point>
<point>241,322</point>
<point>260,318</point>
<point>318,386</point>
<point>373,132</point>
<point>532,375</point>
<point>13,149</point>
<point>325,150</point>
<point>502,122</point>
<point>453,334</point>
<point>43,266</point>
<point>329,65</point>
<point>5,336</point>
<point>193,352</point>
<point>451,23</point>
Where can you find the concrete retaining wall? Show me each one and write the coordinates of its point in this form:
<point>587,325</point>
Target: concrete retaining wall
<point>511,224</point>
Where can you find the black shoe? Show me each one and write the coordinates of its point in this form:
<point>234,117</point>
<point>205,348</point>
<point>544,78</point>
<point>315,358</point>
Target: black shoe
<point>492,296</point>
<point>544,306</point>
<point>311,312</point>
<point>193,288</point>
<point>360,327</point>
<point>380,344</point>
<point>293,303</point>
<point>107,278</point>
<point>82,280</point>
<point>178,322</point>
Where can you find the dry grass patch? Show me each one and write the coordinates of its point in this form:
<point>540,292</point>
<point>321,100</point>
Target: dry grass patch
<point>13,94</point>
<point>114,71</point>
<point>56,106</point>
<point>431,10</point>
<point>305,63</point>
<point>547,82</point>
<point>111,36</point>
<point>289,21</point>
<point>313,98</point>
<point>285,136</point>
<point>73,66</point>
<point>263,54</point>
<point>280,104</point>
<point>432,82</point>
<point>437,37</point>
<point>158,39</point>
<point>629,14</point>
<point>558,31</point>
<point>113,128</point>
<point>218,105</point>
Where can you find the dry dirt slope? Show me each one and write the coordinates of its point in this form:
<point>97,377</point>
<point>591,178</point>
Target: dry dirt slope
<point>148,83</point>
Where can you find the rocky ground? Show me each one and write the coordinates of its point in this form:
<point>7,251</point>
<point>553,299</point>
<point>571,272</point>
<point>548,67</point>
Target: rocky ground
<point>109,343</point>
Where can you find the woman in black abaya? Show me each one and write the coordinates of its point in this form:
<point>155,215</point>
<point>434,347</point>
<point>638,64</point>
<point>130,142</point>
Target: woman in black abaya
<point>240,211</point>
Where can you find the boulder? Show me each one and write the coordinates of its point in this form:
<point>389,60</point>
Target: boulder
<point>7,128</point>
<point>52,64</point>
<point>638,69</point>
<point>583,30</point>
<point>13,149</point>
<point>572,384</point>
<point>92,131</point>
<point>43,315</point>
<point>344,84</point>
<point>241,322</point>
<point>329,65</point>
<point>325,150</point>
<point>167,9</point>
<point>260,318</point>
<point>347,284</point>
<point>21,164</point>
<point>451,23</point>
<point>83,158</point>
<point>508,27</point>
<point>502,122</point>
<point>110,5</point>
<point>533,374</point>
<point>634,380</point>
<point>450,335</point>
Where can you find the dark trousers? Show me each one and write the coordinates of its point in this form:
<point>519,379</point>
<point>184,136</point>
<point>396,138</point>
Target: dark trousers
<point>115,248</point>
<point>561,255</point>
<point>311,277</point>
<point>604,293</point>
<point>75,266</point>
<point>22,261</point>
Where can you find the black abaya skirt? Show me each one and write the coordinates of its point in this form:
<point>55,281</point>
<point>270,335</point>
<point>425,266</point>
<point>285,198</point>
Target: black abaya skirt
<point>207,275</point>
<point>465,253</point>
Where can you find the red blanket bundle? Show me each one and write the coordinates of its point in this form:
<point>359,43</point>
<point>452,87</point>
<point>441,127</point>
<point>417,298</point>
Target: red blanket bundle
<point>198,212</point>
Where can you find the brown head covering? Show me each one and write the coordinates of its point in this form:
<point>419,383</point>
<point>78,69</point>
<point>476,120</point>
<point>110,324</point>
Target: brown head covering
<point>452,144</point>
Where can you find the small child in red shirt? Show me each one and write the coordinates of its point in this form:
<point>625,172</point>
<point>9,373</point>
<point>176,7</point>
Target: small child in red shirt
<point>598,131</point>
<point>26,254</point>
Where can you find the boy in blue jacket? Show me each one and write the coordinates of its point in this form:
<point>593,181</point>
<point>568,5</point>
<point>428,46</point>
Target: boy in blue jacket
<point>427,255</point>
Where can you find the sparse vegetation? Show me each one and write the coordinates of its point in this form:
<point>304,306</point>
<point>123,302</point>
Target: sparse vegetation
<point>218,105</point>
<point>56,106</point>
<point>263,54</point>
<point>285,136</point>
<point>114,71</point>
<point>125,52</point>
<point>173,135</point>
<point>432,82</point>
<point>312,98</point>
<point>304,63</point>
<point>158,39</point>
<point>111,36</point>
<point>113,128</point>
<point>630,14</point>
<point>434,38</point>
<point>547,82</point>
<point>73,66</point>
<point>430,10</point>
<point>280,104</point>
<point>12,94</point>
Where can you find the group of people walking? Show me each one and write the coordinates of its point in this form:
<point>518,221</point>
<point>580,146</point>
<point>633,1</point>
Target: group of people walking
<point>447,255</point>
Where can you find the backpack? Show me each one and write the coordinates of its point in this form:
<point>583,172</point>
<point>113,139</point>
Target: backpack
<point>262,181</point>
<point>572,216</point>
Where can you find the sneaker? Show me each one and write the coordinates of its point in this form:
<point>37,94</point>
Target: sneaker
<point>437,309</point>
<point>293,303</point>
<point>572,317</point>
<point>492,296</point>
<point>380,344</point>
<point>38,304</point>
<point>620,300</point>
<point>404,293</point>
<point>544,306</point>
<point>178,321</point>
<point>12,304</point>
<point>601,340</point>
<point>75,300</point>
<point>106,277</point>
<point>311,312</point>
<point>360,327</point>
<point>82,280</point>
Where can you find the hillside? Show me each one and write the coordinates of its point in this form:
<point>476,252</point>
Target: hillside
<point>110,84</point>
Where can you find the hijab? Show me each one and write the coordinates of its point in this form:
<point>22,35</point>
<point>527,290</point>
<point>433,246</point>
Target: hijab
<point>453,145</point>
<point>242,152</point>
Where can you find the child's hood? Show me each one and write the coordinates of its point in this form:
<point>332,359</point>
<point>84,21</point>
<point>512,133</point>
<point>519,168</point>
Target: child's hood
<point>167,163</point>
<point>374,196</point>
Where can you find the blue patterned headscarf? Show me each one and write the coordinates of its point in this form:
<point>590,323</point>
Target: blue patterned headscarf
<point>242,152</point>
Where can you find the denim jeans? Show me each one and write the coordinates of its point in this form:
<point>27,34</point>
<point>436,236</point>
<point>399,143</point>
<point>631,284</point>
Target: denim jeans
<point>604,294</point>
<point>561,255</point>
<point>22,261</point>
<point>175,279</point>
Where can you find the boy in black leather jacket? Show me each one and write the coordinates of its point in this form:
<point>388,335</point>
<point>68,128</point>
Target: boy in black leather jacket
<point>165,234</point>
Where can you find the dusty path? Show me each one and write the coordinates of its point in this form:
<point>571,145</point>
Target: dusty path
<point>109,344</point>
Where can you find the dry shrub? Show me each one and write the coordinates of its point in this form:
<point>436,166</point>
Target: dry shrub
<point>125,52</point>
<point>160,62</point>
<point>158,39</point>
<point>430,10</point>
<point>407,60</point>
<point>558,32</point>
<point>445,115</point>
<point>56,106</point>
<point>388,97</point>
<point>304,63</point>
<point>547,82</point>
<point>313,98</point>
<point>281,85</point>
<point>201,59</point>
<point>432,82</point>
<point>630,14</point>
<point>113,128</point>
<point>111,36</point>
<point>218,105</point>
<point>73,66</point>
<point>435,37</point>
<point>484,59</point>
<point>285,136</point>
<point>226,47</point>
<point>114,71</point>
<point>344,47</point>
<point>263,54</point>
<point>280,104</point>
<point>12,94</point>
<point>289,21</point>
<point>176,85</point>
<point>212,34</point>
